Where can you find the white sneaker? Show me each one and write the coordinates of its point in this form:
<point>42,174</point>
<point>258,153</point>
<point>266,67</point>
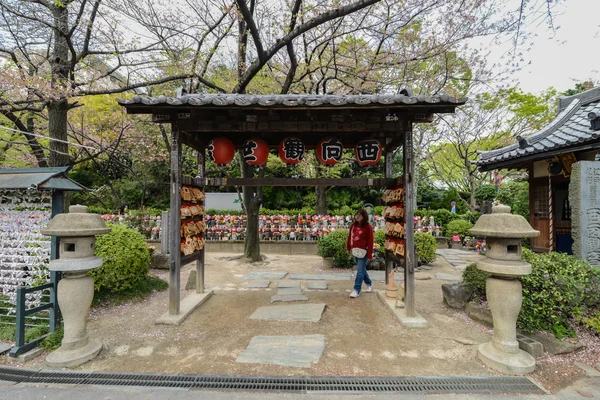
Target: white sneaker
<point>354,294</point>
<point>369,288</point>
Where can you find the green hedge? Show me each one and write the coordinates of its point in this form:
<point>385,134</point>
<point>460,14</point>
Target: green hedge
<point>334,245</point>
<point>460,226</point>
<point>560,291</point>
<point>126,259</point>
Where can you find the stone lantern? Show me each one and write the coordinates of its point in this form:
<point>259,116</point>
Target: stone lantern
<point>503,232</point>
<point>76,230</point>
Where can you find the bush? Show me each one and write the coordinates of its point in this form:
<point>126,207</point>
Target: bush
<point>334,245</point>
<point>379,240</point>
<point>458,225</point>
<point>475,279</point>
<point>485,192</point>
<point>516,195</point>
<point>560,288</point>
<point>125,259</point>
<point>426,246</point>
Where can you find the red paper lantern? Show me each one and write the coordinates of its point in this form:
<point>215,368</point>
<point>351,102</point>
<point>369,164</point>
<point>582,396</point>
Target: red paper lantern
<point>221,150</point>
<point>367,152</point>
<point>329,151</point>
<point>291,150</point>
<point>255,151</point>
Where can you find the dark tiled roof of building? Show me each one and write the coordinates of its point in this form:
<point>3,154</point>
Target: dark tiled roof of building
<point>38,178</point>
<point>571,127</point>
<point>285,100</point>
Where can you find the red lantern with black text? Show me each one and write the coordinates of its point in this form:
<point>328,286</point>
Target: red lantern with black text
<point>291,150</point>
<point>367,152</point>
<point>221,150</point>
<point>329,151</point>
<point>255,151</point>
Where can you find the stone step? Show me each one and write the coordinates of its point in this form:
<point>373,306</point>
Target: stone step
<point>287,351</point>
<point>295,312</point>
<point>289,290</point>
<point>288,298</point>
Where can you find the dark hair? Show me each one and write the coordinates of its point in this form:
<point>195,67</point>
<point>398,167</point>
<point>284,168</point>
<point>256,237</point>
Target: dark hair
<point>365,220</point>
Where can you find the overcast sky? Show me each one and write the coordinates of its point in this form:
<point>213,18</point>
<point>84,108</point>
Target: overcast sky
<point>572,55</point>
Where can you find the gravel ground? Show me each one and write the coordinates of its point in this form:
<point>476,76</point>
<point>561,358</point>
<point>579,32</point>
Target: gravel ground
<point>362,337</point>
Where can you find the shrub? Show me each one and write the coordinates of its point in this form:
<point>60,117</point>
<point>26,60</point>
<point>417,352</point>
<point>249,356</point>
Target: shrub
<point>559,288</point>
<point>485,192</point>
<point>458,225</point>
<point>426,246</point>
<point>379,239</point>
<point>125,259</point>
<point>334,245</point>
<point>475,278</point>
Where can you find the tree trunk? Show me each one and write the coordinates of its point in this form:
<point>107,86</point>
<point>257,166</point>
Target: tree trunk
<point>58,109</point>
<point>252,201</point>
<point>321,192</point>
<point>57,128</point>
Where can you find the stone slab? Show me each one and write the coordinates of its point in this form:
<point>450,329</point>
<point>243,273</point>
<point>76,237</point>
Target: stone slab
<point>415,322</point>
<point>318,285</point>
<point>287,351</point>
<point>62,358</point>
<point>288,298</point>
<point>300,312</point>
<point>264,275</point>
<point>448,277</point>
<point>288,284</point>
<point>30,355</point>
<point>337,276</point>
<point>478,313</point>
<point>5,347</point>
<point>258,284</point>
<point>380,276</point>
<point>186,307</point>
<point>289,290</point>
<point>588,369</point>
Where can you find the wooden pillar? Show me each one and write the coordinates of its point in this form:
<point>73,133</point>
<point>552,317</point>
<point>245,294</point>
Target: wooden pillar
<point>409,230</point>
<point>175,222</point>
<point>389,264</point>
<point>200,260</point>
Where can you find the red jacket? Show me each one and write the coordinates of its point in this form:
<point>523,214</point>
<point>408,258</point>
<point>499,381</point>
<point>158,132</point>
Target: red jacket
<point>361,237</point>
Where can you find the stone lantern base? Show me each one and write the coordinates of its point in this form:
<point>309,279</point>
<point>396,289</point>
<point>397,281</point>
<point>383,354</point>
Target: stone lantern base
<point>75,294</point>
<point>520,363</point>
<point>62,358</point>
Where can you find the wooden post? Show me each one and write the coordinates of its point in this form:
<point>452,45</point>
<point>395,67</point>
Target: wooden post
<point>390,284</point>
<point>175,222</point>
<point>409,227</point>
<point>200,261</point>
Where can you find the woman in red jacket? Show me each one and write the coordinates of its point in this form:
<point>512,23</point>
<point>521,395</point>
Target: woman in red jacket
<point>361,237</point>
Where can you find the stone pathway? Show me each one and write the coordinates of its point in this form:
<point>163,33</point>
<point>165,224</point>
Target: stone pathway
<point>288,284</point>
<point>288,351</point>
<point>289,290</point>
<point>457,258</point>
<point>288,298</point>
<point>300,312</point>
<point>264,275</point>
<point>317,285</point>
<point>258,284</point>
<point>334,276</point>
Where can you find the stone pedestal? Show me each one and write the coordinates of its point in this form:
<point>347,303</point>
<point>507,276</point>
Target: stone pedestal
<point>502,353</point>
<point>75,295</point>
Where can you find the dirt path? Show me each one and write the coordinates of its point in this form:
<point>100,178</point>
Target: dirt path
<point>362,338</point>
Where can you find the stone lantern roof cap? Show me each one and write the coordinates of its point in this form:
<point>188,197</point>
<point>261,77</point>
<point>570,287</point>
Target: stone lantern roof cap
<point>77,222</point>
<point>502,224</point>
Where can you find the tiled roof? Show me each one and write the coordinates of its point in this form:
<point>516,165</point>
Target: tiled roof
<point>245,100</point>
<point>571,127</point>
<point>38,178</point>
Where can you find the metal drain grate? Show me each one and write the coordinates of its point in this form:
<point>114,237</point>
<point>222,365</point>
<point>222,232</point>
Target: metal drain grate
<point>402,384</point>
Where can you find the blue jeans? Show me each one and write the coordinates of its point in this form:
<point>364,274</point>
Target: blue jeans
<point>361,273</point>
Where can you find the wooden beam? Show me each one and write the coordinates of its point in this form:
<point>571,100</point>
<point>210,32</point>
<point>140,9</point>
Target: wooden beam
<point>384,182</point>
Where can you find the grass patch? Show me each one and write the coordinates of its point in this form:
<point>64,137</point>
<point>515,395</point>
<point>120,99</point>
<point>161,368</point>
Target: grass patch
<point>8,333</point>
<point>52,342</point>
<point>138,291</point>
